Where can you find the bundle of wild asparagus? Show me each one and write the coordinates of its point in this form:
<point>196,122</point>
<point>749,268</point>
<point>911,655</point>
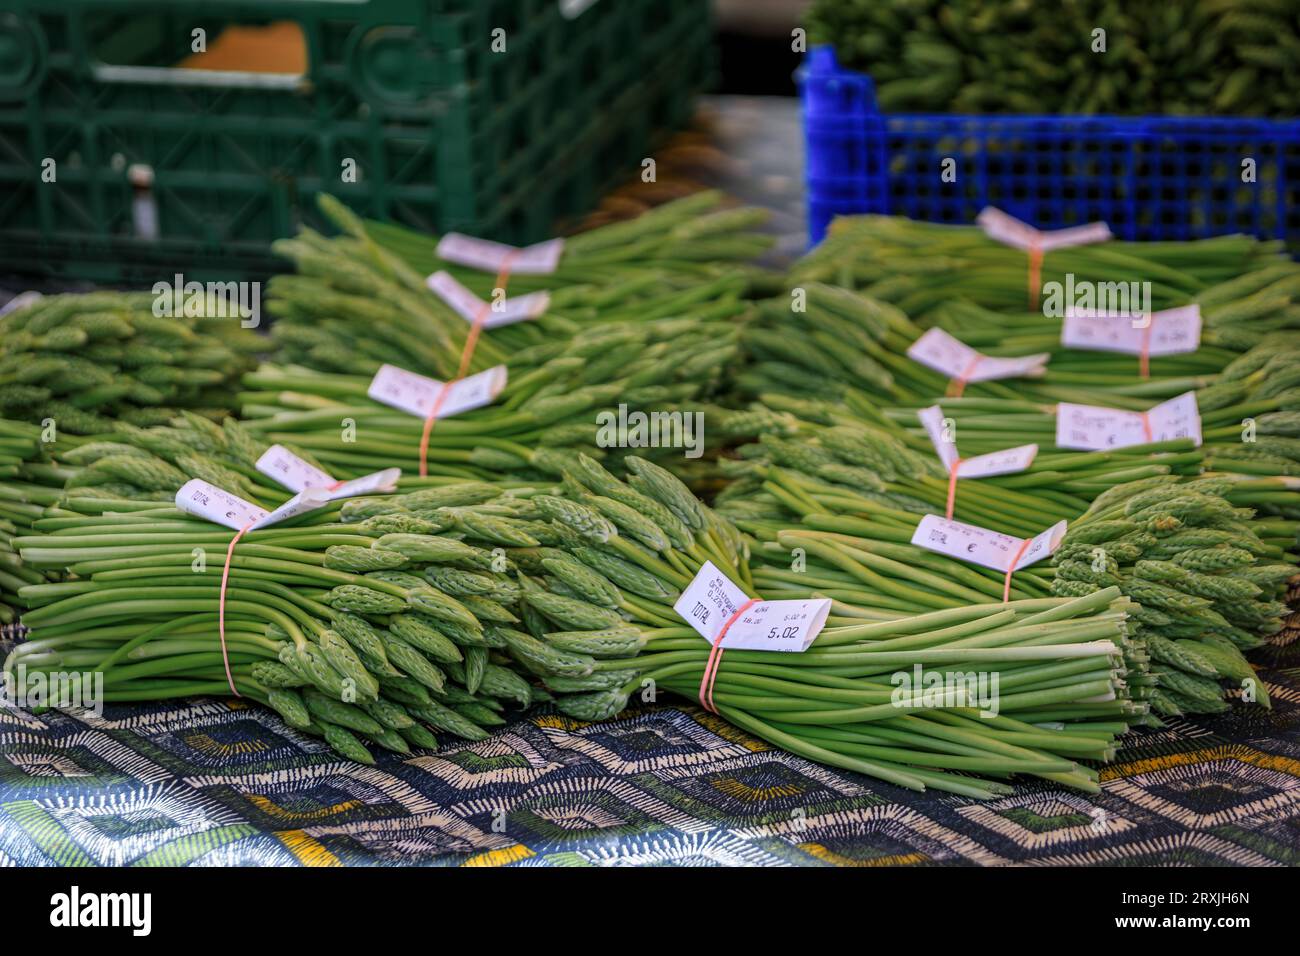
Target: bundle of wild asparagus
<point>1191,553</point>
<point>523,568</point>
<point>83,360</point>
<point>361,299</point>
<point>829,342</point>
<point>379,618</point>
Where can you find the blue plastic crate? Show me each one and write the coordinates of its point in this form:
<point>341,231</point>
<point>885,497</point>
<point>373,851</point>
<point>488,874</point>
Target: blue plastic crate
<point>1148,178</point>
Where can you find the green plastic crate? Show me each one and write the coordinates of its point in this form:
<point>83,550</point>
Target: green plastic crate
<point>445,133</point>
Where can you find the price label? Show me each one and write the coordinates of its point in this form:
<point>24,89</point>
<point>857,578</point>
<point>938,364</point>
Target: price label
<point>1169,332</point>
<point>1096,428</point>
<point>952,358</point>
<point>1009,461</point>
<point>542,258</point>
<point>282,465</point>
<point>219,506</point>
<point>20,301</point>
<point>204,500</point>
<point>471,308</point>
<point>417,394</point>
<point>1005,462</point>
<point>1177,418</point>
<point>932,420</point>
<point>299,504</point>
<point>1010,231</point>
<point>989,549</point>
<point>712,599</point>
<point>377,482</point>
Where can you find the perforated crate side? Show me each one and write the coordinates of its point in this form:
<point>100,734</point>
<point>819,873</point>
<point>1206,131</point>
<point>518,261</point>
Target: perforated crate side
<point>443,133</point>
<point>1149,178</point>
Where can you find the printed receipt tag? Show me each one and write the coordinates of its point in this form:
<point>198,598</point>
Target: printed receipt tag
<point>1010,231</point>
<point>989,549</point>
<point>470,307</point>
<point>282,465</point>
<point>416,394</point>
<point>1170,332</point>
<point>204,500</point>
<point>540,258</point>
<point>712,599</point>
<point>1008,461</point>
<point>1095,428</point>
<point>1005,462</point>
<point>938,350</point>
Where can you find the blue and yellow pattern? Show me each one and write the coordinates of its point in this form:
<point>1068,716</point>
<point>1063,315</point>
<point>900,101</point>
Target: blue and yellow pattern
<point>212,782</point>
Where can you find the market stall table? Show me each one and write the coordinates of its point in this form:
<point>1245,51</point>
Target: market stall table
<point>221,782</point>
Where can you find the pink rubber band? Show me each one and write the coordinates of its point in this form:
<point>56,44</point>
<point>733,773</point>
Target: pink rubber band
<point>221,607</point>
<point>1011,569</point>
<point>958,384</point>
<point>1144,357</point>
<point>1035,273</point>
<point>952,488</point>
<point>715,658</point>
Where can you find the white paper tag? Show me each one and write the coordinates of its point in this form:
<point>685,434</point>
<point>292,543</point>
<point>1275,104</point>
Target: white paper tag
<point>377,482</point>
<point>301,503</point>
<point>1008,461</point>
<point>282,465</point>
<point>417,394</point>
<point>204,500</point>
<point>1005,462</point>
<point>1177,418</point>
<point>20,301</point>
<point>1169,332</point>
<point>712,599</point>
<point>540,258</point>
<point>989,549</point>
<point>1010,231</point>
<point>1096,428</point>
<point>933,421</point>
<point>470,307</point>
<point>938,350</point>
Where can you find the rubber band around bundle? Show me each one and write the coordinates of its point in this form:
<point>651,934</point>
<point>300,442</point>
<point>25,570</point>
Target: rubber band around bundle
<point>1144,356</point>
<point>221,607</point>
<point>952,488</point>
<point>715,658</point>
<point>466,356</point>
<point>1011,569</point>
<point>1035,273</point>
<point>958,384</point>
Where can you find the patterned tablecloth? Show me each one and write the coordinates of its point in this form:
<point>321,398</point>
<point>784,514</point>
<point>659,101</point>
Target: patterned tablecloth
<point>212,782</point>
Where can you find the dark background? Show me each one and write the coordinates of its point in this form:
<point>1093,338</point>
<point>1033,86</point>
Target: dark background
<point>753,41</point>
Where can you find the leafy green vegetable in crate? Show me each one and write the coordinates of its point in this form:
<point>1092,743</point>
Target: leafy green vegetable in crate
<point>1182,57</point>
